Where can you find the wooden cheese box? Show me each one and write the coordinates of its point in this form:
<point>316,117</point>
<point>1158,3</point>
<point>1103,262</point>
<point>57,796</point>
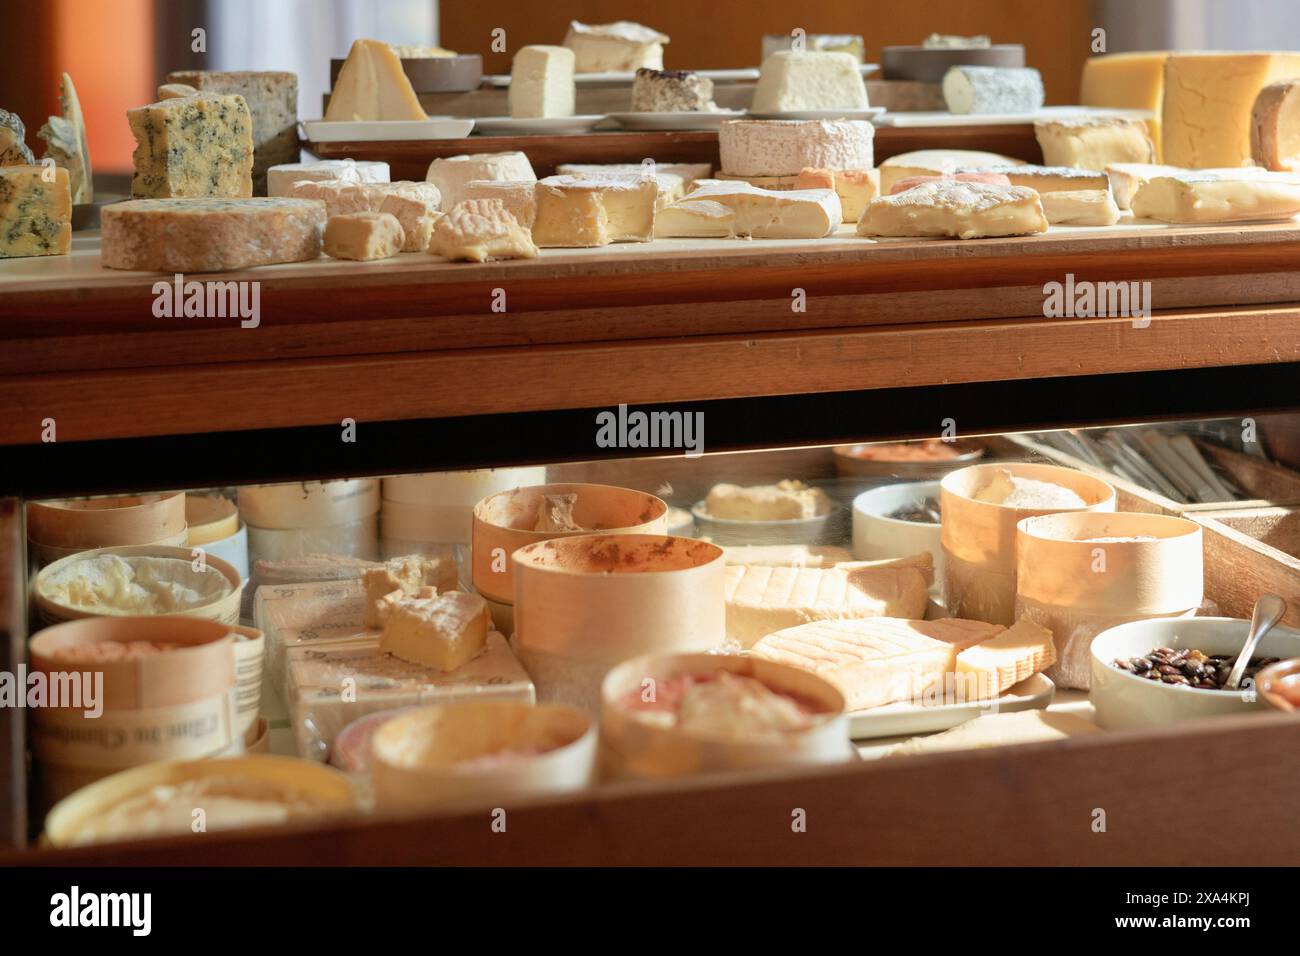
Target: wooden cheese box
<point>1249,552</point>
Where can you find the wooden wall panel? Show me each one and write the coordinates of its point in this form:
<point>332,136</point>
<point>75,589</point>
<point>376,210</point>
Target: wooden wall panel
<point>729,33</point>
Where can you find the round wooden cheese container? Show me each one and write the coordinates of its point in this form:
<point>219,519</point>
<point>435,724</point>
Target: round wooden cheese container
<point>979,537</point>
<point>56,529</point>
<point>439,507</point>
<point>1078,586</point>
<point>633,747</point>
<point>175,704</point>
<point>309,504</point>
<point>504,522</point>
<point>443,757</point>
<point>222,607</point>
<point>210,518</point>
<point>585,603</point>
<point>324,787</point>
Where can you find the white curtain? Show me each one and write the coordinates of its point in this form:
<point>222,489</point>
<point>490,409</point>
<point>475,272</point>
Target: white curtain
<point>1199,24</point>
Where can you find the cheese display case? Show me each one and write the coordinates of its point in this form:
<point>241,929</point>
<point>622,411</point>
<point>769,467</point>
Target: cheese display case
<point>807,439</point>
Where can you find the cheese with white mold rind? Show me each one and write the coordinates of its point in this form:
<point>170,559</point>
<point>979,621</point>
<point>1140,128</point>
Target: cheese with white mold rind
<point>196,147</point>
<point>344,196</point>
<point>481,229</point>
<point>443,632</point>
<point>695,219</point>
<point>518,196</point>
<point>280,179</point>
<point>372,85</point>
<point>1084,207</point>
<point>961,210</point>
<point>689,172</point>
<point>938,162</point>
<point>452,173</point>
<point>619,47</point>
<point>363,236</point>
<point>992,89</point>
<point>209,235</point>
<point>1275,126</point>
<point>775,214</point>
<point>791,80</point>
<point>591,212</point>
<point>541,83</point>
<point>1093,142</point>
<point>1203,199</point>
<point>35,214</point>
<point>751,147</point>
<point>1043,179</point>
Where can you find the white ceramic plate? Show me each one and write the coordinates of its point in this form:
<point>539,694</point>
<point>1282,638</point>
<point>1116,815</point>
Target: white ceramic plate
<point>823,529</point>
<point>384,131</point>
<point>547,125</point>
<point>895,720</point>
<point>682,120</point>
<point>870,113</point>
<point>944,118</point>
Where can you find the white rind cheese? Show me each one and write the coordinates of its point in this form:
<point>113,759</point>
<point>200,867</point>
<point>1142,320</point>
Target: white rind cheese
<point>784,147</point>
<point>541,83</point>
<point>1045,179</point>
<point>1204,199</point>
<point>518,196</point>
<point>992,89</point>
<point>689,172</point>
<point>1094,142</point>
<point>766,213</point>
<point>961,210</point>
<point>443,632</point>
<point>210,235</point>
<point>1126,178</point>
<point>1084,207</point>
<point>280,179</point>
<point>619,47</point>
<point>937,162</point>
<point>594,212</point>
<point>477,230</point>
<point>451,173</point>
<point>414,204</point>
<point>35,215</point>
<point>372,85</point>
<point>695,219</point>
<point>363,236</point>
<point>199,146</point>
<point>792,80</point>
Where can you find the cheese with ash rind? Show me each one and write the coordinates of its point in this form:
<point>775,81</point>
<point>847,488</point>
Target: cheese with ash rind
<point>593,212</point>
<point>1093,142</point>
<point>671,91</point>
<point>1202,199</point>
<point>938,162</point>
<point>1084,207</point>
<point>477,230</point>
<point>280,179</point>
<point>960,210</point>
<point>198,146</point>
<point>1275,126</point>
<point>210,235</point>
<point>541,83</point>
<point>363,236</point>
<point>518,196</point>
<point>65,136</point>
<point>35,211</point>
<point>13,146</point>
<point>372,85</point>
<point>992,89</point>
<point>452,173</point>
<point>443,632</point>
<point>791,80</point>
<point>619,47</point>
<point>784,147</point>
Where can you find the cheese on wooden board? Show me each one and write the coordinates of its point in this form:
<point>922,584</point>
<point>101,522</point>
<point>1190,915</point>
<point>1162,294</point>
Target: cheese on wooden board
<point>1125,178</point>
<point>767,213</point>
<point>443,632</point>
<point>784,147</point>
<point>790,80</point>
<point>695,219</point>
<point>855,187</point>
<point>994,666</point>
<point>13,146</point>
<point>1208,101</point>
<point>1093,142</point>
<point>619,47</point>
<point>999,730</point>
<point>1045,179</point>
<point>671,186</point>
<point>372,85</point>
<point>1129,81</point>
<point>176,91</point>
<point>992,89</point>
<point>35,212</point>
<point>1275,126</point>
<point>415,206</point>
<point>689,172</point>
<point>594,212</point>
<point>786,500</point>
<point>363,236</point>
<point>452,173</point>
<point>477,230</point>
<point>763,599</point>
<point>938,162</point>
<point>880,660</point>
<point>955,209</point>
<point>199,146</point>
<point>518,196</point>
<point>1203,199</point>
<point>65,136</point>
<point>210,235</point>
<point>344,196</point>
<point>789,555</point>
<point>1083,207</point>
<point>272,99</point>
<point>541,83</point>
<point>993,179</point>
<point>280,179</point>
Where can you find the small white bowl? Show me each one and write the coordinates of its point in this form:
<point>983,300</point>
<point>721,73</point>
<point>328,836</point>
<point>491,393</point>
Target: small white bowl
<point>1123,700</point>
<point>876,535</point>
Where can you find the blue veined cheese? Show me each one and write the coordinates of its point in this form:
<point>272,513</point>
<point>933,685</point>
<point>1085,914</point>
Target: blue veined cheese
<point>35,212</point>
<point>193,147</point>
<point>13,146</point>
<point>67,145</point>
<point>210,235</point>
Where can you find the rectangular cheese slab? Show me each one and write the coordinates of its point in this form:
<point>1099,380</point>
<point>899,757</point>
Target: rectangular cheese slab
<point>951,208</point>
<point>35,211</point>
<point>192,147</point>
<point>541,82</point>
<point>1208,199</point>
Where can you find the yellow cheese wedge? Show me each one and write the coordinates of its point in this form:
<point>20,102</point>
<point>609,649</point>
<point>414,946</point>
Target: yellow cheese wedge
<point>1129,81</point>
<point>992,667</point>
<point>443,632</point>
<point>373,86</point>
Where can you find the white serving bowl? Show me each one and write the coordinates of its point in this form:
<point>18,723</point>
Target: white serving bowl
<point>1123,700</point>
<point>875,535</point>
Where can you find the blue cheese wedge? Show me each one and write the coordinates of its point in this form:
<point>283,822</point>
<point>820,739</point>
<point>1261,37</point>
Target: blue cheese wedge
<point>66,139</point>
<point>192,147</point>
<point>35,211</point>
<point>13,145</point>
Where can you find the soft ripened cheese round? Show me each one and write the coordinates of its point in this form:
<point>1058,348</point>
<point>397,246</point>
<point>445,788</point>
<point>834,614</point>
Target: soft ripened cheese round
<point>451,173</point>
<point>210,235</point>
<point>280,179</point>
<point>784,147</point>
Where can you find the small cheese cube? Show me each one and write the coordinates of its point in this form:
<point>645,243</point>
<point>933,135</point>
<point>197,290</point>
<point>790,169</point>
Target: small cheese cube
<point>35,212</point>
<point>480,229</point>
<point>541,82</point>
<point>196,146</point>
<point>442,632</point>
<point>363,236</point>
<point>994,666</point>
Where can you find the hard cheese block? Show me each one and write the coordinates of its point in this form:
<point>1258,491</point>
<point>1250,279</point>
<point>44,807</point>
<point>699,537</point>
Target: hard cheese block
<point>1204,199</point>
<point>785,147</point>
<point>541,82</point>
<point>1275,126</point>
<point>13,147</point>
<point>760,213</point>
<point>1094,142</point>
<point>994,666</point>
<point>477,230</point>
<point>193,147</point>
<point>938,162</point>
<point>957,209</point>
<point>763,599</point>
<point>35,211</point>
<point>210,235</point>
<point>619,47</point>
<point>363,236</point>
<point>66,138</point>
<point>272,100</point>
<point>1208,101</point>
<point>791,80</point>
<point>591,212</point>
<point>1129,81</point>
<point>1084,207</point>
<point>372,85</point>
<point>451,174</point>
<point>999,730</point>
<point>879,661</point>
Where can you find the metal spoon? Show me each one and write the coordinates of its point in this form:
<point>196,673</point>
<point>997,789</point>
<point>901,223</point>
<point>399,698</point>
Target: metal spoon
<point>1269,609</point>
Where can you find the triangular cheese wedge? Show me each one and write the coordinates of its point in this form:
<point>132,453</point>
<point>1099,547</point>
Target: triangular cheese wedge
<point>373,86</point>
<point>1001,662</point>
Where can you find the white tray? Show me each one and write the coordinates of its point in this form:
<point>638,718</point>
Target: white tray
<point>944,118</point>
<point>384,131</point>
<point>895,720</point>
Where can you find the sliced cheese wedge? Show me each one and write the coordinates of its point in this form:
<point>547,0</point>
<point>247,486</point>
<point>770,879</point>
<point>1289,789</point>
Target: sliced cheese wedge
<point>1094,142</point>
<point>373,86</point>
<point>1126,178</point>
<point>1083,207</point>
<point>996,665</point>
<point>594,212</point>
<point>1197,199</point>
<point>962,210</point>
<point>938,162</point>
<point>442,632</point>
<point>696,219</point>
<point>774,214</point>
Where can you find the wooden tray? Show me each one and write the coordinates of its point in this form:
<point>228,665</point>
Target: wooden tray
<point>1250,552</point>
